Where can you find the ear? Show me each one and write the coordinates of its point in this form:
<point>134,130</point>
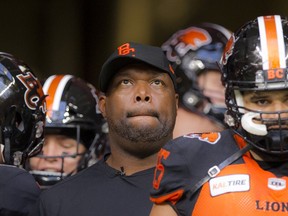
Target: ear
<point>102,105</point>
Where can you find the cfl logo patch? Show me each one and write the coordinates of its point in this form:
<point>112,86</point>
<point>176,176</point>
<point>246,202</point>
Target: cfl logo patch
<point>276,183</point>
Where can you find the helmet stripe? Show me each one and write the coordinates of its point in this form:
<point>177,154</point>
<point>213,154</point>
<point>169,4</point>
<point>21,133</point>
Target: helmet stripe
<point>281,43</point>
<point>47,84</point>
<point>54,88</point>
<point>47,91</point>
<point>263,42</point>
<point>272,44</point>
<point>59,91</point>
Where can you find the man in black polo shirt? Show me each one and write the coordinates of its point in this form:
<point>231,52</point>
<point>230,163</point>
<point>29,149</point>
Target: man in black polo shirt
<point>139,104</point>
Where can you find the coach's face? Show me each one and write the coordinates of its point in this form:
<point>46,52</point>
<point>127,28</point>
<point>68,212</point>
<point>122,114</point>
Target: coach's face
<point>140,107</point>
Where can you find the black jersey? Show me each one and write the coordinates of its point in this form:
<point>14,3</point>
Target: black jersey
<point>241,188</point>
<point>99,190</point>
<point>19,191</point>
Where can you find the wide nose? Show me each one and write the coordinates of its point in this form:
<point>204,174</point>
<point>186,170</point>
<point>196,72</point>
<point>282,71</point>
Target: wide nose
<point>143,93</point>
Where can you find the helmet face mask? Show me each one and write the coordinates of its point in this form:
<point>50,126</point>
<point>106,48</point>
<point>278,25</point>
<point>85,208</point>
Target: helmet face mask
<point>193,52</point>
<point>253,63</point>
<point>69,156</point>
<point>72,113</point>
<point>266,130</point>
<point>23,110</point>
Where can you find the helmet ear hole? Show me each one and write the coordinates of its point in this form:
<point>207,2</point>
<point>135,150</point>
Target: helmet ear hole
<point>19,123</point>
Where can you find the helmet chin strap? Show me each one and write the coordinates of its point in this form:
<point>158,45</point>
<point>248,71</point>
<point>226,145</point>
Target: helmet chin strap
<point>251,127</point>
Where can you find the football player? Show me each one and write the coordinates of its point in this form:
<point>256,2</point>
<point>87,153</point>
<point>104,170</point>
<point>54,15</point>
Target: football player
<point>75,134</point>
<point>22,117</point>
<point>195,53</point>
<point>241,170</point>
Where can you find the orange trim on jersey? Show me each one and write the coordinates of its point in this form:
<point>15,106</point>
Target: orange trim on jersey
<point>159,170</point>
<point>173,197</point>
<point>272,42</point>
<point>51,91</point>
<point>241,143</point>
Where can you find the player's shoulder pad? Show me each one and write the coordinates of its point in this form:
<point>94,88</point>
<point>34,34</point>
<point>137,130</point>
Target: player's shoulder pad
<point>203,150</point>
<point>203,145</point>
<point>206,139</point>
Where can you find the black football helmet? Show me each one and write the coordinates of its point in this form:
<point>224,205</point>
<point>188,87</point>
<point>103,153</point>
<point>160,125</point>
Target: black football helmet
<point>72,110</point>
<point>23,108</point>
<point>255,59</point>
<point>193,51</point>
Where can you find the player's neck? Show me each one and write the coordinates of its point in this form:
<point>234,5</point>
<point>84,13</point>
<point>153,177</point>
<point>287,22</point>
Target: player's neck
<point>130,164</point>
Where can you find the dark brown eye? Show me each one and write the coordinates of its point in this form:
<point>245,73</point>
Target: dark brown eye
<point>126,82</point>
<point>157,82</point>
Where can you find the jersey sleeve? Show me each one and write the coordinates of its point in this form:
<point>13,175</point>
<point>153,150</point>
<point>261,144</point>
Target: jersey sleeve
<point>171,175</point>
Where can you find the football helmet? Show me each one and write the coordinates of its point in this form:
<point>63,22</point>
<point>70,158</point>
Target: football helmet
<point>255,59</point>
<point>23,108</point>
<point>72,110</point>
<point>193,51</point>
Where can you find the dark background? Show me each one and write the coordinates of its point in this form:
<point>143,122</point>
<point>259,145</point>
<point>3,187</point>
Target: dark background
<point>76,36</point>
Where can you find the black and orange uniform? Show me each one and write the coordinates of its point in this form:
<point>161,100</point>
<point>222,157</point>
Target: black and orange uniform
<point>244,187</point>
<point>99,190</point>
<point>19,192</point>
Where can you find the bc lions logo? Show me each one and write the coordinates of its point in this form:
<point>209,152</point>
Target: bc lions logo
<point>211,138</point>
<point>195,38</point>
<point>189,39</point>
<point>125,49</point>
<point>34,93</point>
<point>228,50</point>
